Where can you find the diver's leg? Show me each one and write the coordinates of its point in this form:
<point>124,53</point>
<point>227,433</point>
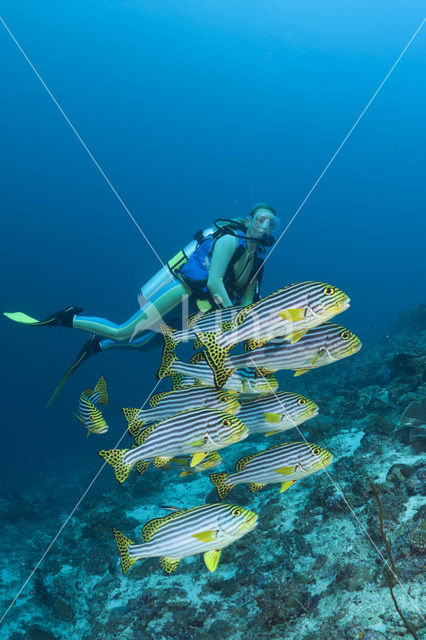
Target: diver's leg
<point>168,297</point>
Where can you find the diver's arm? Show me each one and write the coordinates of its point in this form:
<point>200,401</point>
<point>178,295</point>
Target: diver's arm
<point>223,251</point>
<point>249,293</point>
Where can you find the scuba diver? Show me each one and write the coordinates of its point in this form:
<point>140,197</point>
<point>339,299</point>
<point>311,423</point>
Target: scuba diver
<point>220,268</point>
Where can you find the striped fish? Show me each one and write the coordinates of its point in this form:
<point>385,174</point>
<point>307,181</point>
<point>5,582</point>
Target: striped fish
<point>285,464</point>
<point>183,464</point>
<point>287,313</point>
<point>194,432</point>
<point>276,412</point>
<point>168,403</point>
<point>206,529</point>
<point>320,346</point>
<point>89,415</point>
<point>242,381</point>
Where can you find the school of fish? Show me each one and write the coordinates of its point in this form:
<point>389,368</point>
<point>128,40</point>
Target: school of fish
<point>219,399</point>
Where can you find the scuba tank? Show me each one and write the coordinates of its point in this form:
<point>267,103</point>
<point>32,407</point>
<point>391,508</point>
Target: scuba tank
<point>168,273</point>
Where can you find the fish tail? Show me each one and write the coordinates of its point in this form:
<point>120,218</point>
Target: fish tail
<point>222,487</point>
<point>168,355</point>
<point>215,356</point>
<point>114,457</point>
<point>123,545</point>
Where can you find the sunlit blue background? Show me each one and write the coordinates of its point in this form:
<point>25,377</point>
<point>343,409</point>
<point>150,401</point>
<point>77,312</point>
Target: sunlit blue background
<point>195,110</point>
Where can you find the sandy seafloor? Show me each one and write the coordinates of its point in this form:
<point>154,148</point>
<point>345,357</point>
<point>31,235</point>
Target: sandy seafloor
<point>311,570</point>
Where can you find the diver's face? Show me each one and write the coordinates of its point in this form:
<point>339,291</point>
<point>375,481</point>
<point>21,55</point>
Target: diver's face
<point>263,223</point>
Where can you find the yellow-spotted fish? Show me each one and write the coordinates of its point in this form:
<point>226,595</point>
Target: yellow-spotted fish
<point>167,403</point>
<point>183,464</point>
<point>89,414</point>
<point>284,464</point>
<point>320,346</point>
<point>287,313</point>
<point>243,381</point>
<point>276,412</point>
<point>195,432</point>
<point>206,529</point>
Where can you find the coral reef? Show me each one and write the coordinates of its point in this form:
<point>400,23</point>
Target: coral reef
<point>314,569</point>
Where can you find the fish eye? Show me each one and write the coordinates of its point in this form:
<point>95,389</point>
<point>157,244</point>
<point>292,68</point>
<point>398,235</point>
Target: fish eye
<point>226,422</point>
<point>301,401</point>
<point>236,511</point>
<point>223,398</point>
<point>328,291</point>
<point>316,451</point>
<point>345,335</point>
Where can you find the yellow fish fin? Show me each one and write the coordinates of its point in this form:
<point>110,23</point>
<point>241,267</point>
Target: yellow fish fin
<point>114,457</point>
<point>184,473</point>
<point>256,486</point>
<point>196,458</point>
<point>102,390</point>
<point>219,481</point>
<point>141,436</point>
<point>142,466</point>
<point>242,462</point>
<point>317,356</point>
<point>273,417</point>
<point>152,526</point>
<point>271,433</point>
<point>285,471</point>
<point>197,357</point>
<point>123,545</point>
<point>261,372</point>
<point>168,355</point>
<point>295,337</point>
<point>286,485</point>
<point>292,315</point>
<point>176,379</point>
<point>156,397</point>
<point>254,343</point>
<point>196,443</point>
<point>300,372</point>
<point>160,461</point>
<point>169,564</point>
<point>216,356</point>
<point>211,558</point>
<point>78,417</point>
<point>205,536</point>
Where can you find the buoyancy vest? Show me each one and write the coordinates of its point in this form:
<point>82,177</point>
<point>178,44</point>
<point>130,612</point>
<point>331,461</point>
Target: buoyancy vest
<point>195,271</point>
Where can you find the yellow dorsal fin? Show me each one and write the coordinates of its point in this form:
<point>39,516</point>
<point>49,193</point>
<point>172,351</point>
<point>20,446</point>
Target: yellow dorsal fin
<point>243,461</point>
<point>141,437</point>
<point>197,357</point>
<point>156,397</point>
<point>211,558</point>
<point>102,390</point>
<point>154,525</point>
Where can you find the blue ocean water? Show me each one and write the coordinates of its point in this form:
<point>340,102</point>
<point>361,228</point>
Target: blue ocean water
<point>194,110</point>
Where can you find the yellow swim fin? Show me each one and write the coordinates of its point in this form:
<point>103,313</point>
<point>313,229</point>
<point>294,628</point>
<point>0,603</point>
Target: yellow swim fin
<point>22,318</point>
